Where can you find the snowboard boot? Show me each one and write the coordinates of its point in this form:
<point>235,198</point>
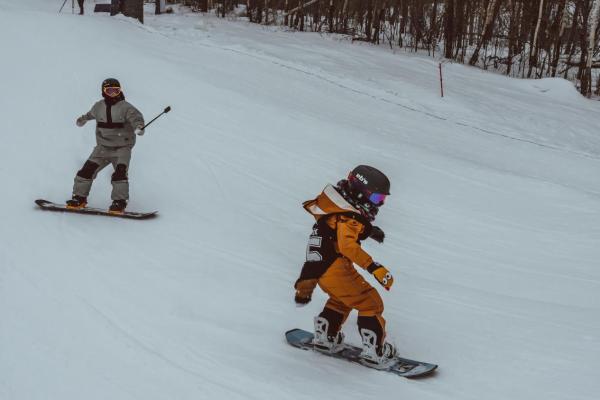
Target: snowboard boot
<point>77,202</point>
<point>324,342</point>
<point>117,207</point>
<point>374,355</point>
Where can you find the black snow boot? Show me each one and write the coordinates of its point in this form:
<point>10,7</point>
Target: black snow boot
<point>77,202</point>
<point>117,206</point>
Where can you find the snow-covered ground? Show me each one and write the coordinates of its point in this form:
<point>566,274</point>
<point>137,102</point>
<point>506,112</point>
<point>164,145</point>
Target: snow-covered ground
<point>493,228</point>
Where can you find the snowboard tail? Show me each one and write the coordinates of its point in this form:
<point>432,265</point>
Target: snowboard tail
<point>50,206</point>
<point>302,339</point>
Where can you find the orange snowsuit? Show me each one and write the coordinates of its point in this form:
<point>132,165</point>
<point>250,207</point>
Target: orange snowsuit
<point>333,248</point>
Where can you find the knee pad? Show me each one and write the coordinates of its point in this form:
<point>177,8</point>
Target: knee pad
<point>88,170</point>
<point>120,173</point>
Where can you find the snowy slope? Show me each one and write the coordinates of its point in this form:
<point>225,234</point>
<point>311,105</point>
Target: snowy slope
<point>492,229</point>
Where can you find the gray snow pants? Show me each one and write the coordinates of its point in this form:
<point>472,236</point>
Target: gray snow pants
<point>101,156</point>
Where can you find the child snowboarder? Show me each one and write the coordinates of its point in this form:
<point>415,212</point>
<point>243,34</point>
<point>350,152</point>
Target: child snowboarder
<point>344,214</point>
<point>117,123</point>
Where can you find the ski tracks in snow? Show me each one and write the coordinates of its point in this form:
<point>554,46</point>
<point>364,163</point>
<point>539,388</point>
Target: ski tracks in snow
<point>378,94</point>
<point>131,339</point>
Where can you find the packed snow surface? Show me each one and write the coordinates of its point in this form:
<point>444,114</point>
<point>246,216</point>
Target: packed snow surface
<point>493,226</point>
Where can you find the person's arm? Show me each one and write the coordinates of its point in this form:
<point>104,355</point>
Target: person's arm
<point>304,290</point>
<point>348,231</point>
<point>90,115</point>
<point>135,118</point>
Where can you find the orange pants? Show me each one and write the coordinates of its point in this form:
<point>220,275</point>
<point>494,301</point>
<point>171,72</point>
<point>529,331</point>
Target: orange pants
<point>348,290</point>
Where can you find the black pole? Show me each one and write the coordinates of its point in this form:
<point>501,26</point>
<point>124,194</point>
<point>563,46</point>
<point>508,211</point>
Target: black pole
<point>155,118</point>
<point>63,6</point>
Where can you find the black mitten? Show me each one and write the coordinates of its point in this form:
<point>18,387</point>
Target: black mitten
<point>304,289</point>
<point>301,300</point>
<point>377,234</point>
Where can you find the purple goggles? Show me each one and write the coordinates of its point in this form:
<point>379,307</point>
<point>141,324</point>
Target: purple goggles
<point>377,198</point>
<point>373,197</point>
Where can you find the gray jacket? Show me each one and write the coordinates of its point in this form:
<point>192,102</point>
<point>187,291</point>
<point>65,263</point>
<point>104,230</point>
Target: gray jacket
<point>115,124</point>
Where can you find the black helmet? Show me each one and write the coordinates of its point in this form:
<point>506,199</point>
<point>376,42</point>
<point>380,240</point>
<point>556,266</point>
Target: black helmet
<point>366,189</point>
<point>369,180</point>
<point>110,82</point>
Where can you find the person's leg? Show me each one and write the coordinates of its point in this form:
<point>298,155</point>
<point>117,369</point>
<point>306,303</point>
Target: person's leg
<point>370,317</point>
<point>120,181</point>
<point>335,312</point>
<point>371,326</point>
<point>86,175</point>
<point>350,290</point>
<point>80,2</point>
<point>328,336</point>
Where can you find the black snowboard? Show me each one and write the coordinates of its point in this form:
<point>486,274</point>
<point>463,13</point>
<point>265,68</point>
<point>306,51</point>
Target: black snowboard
<point>403,367</point>
<point>50,206</point>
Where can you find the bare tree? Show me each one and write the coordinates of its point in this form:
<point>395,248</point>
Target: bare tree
<point>490,15</point>
<point>594,15</point>
<point>527,38</point>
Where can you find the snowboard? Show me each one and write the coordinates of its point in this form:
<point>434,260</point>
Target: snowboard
<point>50,206</point>
<point>302,339</point>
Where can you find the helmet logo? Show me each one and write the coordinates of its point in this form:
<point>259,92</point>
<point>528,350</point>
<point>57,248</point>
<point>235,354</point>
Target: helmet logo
<point>362,179</point>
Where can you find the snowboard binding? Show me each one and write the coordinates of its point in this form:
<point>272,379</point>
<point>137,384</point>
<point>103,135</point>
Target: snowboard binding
<point>325,343</point>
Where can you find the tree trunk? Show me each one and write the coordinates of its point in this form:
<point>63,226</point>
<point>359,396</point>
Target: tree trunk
<point>511,35</point>
<point>594,15</point>
<point>368,21</point>
<point>249,8</point>
<point>203,5</point>
<point>560,25</point>
<point>345,16</point>
<point>330,13</point>
<point>266,12</point>
<point>133,8</point>
<point>533,50</point>
<point>583,45</point>
<point>571,43</point>
<point>433,26</point>
<point>448,28</point>
<point>488,27</point>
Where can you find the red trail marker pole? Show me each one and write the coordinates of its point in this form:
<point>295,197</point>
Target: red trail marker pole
<point>441,81</point>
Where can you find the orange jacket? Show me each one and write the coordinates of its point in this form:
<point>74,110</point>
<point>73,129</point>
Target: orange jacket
<point>346,220</point>
<point>335,243</point>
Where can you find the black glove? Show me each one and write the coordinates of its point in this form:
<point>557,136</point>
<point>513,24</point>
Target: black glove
<point>301,300</point>
<point>304,289</point>
<point>377,234</point>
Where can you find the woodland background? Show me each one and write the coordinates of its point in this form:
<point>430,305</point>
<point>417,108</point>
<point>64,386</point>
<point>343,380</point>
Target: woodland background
<point>527,39</point>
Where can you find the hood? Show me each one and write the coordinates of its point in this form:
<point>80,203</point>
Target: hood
<point>330,201</point>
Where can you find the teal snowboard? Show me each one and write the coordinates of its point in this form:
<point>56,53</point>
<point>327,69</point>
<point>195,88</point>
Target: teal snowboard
<point>302,339</point>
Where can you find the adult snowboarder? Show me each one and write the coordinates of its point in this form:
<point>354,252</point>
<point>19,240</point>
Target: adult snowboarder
<point>344,216</point>
<point>117,123</point>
